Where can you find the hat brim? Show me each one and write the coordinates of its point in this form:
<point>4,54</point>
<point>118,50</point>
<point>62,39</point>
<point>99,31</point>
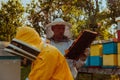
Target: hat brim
<point>58,23</point>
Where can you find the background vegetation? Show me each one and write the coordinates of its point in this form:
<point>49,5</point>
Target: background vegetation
<point>82,14</point>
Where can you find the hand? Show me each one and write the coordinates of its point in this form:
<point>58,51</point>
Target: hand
<point>25,62</point>
<point>87,52</point>
<point>84,56</point>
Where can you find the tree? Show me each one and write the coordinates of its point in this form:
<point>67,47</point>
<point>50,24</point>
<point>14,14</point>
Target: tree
<point>43,12</point>
<point>114,8</point>
<point>10,18</point>
<point>82,14</point>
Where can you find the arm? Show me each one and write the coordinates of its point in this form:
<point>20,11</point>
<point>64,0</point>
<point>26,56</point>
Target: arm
<point>79,46</point>
<point>44,66</point>
<point>82,59</point>
<point>38,70</point>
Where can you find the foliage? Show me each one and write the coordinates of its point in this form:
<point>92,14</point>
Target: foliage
<point>115,77</point>
<point>114,9</point>
<point>43,12</point>
<point>36,17</point>
<point>81,14</point>
<point>10,18</point>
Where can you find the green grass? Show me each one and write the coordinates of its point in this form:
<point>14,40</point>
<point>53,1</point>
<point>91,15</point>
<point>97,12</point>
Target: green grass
<point>25,71</point>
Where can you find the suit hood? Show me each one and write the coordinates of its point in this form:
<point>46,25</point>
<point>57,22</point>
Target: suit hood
<point>29,36</point>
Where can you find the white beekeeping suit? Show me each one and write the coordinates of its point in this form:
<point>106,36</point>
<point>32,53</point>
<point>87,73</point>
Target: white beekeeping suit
<point>64,44</point>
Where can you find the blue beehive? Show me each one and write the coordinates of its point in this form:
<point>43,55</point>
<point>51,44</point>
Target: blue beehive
<point>110,48</point>
<point>95,61</point>
<point>87,62</point>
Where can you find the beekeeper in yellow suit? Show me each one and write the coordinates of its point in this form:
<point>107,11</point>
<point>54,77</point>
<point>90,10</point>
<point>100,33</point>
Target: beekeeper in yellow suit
<point>50,64</point>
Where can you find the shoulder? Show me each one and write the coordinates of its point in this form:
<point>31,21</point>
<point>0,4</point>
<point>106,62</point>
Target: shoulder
<point>50,53</point>
<point>71,40</point>
<point>51,50</point>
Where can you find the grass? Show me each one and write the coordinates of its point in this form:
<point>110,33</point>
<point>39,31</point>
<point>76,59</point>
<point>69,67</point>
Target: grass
<point>25,71</point>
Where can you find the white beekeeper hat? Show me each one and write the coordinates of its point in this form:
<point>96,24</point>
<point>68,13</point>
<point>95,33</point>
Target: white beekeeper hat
<point>58,21</point>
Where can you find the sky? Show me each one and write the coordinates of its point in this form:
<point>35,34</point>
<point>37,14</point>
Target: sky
<point>24,2</point>
<point>103,6</point>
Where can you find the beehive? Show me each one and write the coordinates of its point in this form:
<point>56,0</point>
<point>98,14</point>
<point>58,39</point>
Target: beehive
<point>95,61</point>
<point>109,48</point>
<point>118,47</point>
<point>110,60</point>
<point>96,50</point>
<point>10,65</point>
<point>87,62</point>
<point>118,57</point>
